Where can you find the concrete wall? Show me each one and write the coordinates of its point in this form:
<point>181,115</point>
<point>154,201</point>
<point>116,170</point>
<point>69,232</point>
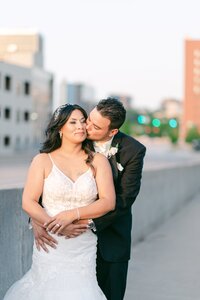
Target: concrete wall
<point>15,239</point>
<point>163,192</point>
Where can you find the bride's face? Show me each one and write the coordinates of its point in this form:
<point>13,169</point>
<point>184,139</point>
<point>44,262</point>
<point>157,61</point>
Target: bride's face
<point>74,129</point>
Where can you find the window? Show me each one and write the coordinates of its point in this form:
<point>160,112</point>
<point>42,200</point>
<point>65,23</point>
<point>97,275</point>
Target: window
<point>7,83</point>
<point>26,88</point>
<point>26,116</point>
<point>196,89</point>
<point>6,141</point>
<point>7,113</point>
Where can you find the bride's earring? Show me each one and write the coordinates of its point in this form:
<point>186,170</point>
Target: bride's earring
<point>60,133</point>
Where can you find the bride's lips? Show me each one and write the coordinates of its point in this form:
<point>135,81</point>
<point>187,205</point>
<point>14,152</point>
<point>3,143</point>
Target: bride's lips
<point>81,132</point>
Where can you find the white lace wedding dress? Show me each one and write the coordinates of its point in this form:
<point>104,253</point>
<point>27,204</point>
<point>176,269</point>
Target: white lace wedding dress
<point>68,272</point>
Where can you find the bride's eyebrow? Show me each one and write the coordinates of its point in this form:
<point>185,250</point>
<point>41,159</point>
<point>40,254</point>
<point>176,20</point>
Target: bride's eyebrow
<point>81,119</point>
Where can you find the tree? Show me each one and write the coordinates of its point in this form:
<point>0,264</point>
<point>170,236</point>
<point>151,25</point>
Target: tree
<point>192,134</point>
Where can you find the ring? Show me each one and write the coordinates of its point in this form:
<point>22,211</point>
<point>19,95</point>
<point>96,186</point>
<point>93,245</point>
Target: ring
<point>58,225</point>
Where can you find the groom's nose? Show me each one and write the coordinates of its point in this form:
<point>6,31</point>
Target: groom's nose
<point>88,124</point>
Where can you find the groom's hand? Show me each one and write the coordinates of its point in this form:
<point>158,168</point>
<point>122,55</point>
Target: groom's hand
<point>42,237</point>
<point>75,229</point>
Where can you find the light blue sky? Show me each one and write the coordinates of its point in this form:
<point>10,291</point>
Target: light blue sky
<point>134,47</point>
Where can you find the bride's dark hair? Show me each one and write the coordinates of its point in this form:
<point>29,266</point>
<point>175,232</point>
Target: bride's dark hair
<point>57,121</point>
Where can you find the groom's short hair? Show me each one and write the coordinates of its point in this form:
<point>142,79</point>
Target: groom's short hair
<point>112,109</point>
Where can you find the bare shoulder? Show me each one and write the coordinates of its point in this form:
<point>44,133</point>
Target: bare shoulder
<point>40,159</point>
<point>100,159</point>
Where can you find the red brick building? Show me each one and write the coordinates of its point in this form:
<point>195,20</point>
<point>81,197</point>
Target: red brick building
<point>191,103</point>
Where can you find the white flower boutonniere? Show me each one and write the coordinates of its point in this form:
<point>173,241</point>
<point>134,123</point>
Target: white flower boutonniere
<point>112,151</point>
<point>119,167</point>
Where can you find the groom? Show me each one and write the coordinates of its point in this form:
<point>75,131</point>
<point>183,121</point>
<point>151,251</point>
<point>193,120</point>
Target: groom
<point>113,229</point>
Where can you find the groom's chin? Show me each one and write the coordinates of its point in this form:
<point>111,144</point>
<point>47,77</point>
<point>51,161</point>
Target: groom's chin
<point>89,137</point>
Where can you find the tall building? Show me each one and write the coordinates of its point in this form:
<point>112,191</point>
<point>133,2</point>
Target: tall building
<point>26,91</point>
<point>171,108</point>
<point>191,103</point>
<point>22,47</point>
<point>77,93</point>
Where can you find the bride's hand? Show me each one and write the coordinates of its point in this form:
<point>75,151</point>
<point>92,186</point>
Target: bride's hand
<point>60,221</point>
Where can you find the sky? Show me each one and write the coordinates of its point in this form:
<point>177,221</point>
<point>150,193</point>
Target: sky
<point>132,47</point>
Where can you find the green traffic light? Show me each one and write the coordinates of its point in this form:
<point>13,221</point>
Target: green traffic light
<point>173,123</point>
<point>141,119</point>
<point>156,122</point>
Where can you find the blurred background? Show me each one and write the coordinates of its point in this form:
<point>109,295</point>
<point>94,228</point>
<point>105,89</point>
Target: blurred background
<point>144,53</point>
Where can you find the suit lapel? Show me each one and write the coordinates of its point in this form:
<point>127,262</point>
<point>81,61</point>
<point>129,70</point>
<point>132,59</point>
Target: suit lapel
<point>113,163</point>
<point>113,158</point>
<point>116,140</point>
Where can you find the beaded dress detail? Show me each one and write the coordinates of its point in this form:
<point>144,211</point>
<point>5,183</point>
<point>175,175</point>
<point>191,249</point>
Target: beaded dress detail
<point>69,271</point>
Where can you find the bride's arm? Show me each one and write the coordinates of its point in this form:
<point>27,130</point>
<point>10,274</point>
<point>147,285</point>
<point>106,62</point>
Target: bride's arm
<point>104,204</point>
<point>33,189</point>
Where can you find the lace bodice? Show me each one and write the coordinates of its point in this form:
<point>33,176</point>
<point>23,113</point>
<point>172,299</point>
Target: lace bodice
<point>61,193</point>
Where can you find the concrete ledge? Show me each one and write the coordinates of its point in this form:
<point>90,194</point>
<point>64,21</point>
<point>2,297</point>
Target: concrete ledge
<point>163,193</point>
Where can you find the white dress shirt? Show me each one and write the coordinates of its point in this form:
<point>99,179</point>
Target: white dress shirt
<point>104,147</point>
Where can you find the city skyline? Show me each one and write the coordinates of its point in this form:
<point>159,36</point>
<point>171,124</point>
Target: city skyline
<point>131,47</point>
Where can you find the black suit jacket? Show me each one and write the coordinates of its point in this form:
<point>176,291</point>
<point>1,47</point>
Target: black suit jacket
<point>114,228</point>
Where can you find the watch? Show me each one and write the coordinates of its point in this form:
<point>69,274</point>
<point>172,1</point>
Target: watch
<point>91,225</point>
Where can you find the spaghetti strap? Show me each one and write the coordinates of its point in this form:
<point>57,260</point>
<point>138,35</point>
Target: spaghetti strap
<point>51,159</point>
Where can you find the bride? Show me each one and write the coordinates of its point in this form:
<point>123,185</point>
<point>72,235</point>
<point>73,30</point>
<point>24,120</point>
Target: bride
<point>70,177</point>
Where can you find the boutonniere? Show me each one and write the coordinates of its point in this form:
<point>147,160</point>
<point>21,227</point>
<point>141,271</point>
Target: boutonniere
<point>119,167</point>
<point>112,151</point>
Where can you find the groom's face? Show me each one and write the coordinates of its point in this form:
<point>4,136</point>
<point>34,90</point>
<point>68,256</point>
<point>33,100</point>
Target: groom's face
<point>98,127</point>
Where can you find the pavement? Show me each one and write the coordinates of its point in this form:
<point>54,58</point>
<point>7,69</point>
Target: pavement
<point>166,265</point>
